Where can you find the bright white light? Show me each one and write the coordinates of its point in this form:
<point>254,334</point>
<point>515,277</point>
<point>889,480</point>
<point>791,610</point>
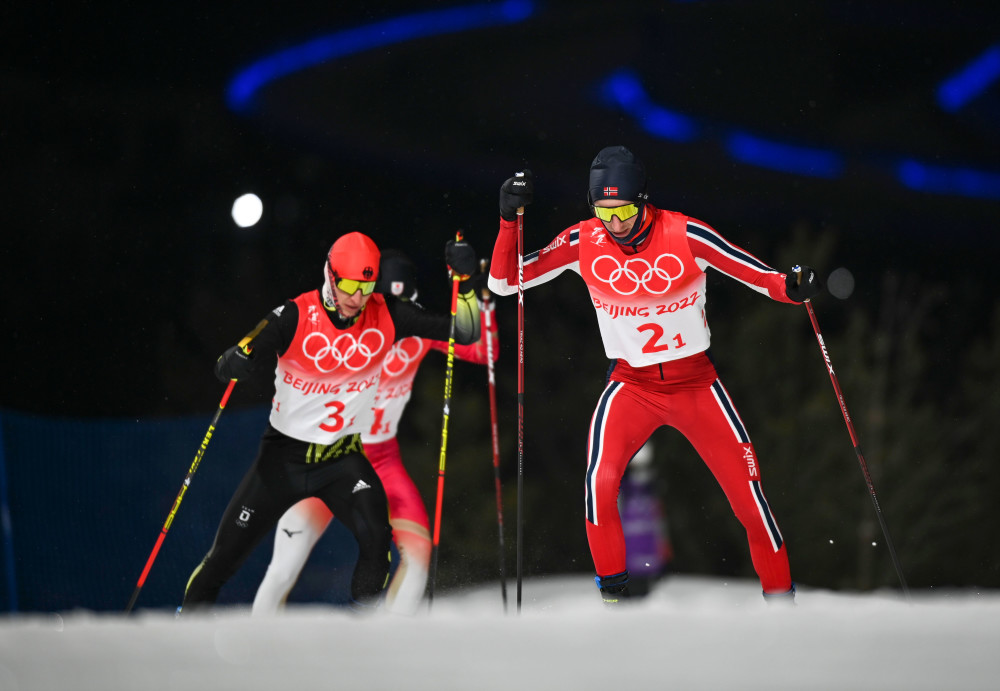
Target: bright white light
<point>247,210</point>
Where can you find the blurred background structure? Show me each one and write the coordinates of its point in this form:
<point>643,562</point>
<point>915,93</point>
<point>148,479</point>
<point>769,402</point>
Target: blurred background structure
<point>860,138</point>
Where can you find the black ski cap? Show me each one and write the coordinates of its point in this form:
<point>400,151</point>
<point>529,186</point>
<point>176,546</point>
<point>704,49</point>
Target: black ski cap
<point>397,275</point>
<point>616,173</point>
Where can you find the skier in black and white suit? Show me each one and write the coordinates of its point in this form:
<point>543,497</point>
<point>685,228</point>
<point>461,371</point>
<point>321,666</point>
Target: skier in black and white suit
<point>329,345</point>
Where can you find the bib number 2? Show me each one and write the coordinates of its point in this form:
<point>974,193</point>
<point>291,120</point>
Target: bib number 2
<point>657,343</point>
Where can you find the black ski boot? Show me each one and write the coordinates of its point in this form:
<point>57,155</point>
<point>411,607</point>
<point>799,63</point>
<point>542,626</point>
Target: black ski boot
<point>614,589</point>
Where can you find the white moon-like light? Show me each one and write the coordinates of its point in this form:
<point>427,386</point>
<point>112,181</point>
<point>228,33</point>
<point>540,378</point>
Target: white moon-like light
<point>247,210</point>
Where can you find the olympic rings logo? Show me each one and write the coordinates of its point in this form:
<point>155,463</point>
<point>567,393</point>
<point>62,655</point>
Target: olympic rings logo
<point>398,358</point>
<point>353,354</point>
<point>637,273</point>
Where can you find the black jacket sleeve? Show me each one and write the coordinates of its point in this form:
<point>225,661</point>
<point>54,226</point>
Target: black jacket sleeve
<point>259,349</point>
<point>411,319</point>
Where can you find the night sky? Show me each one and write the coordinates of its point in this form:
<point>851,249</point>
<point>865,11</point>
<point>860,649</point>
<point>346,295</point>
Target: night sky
<point>857,136</point>
<point>124,276</point>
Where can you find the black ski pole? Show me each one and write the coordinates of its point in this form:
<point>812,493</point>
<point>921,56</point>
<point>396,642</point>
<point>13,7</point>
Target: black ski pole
<point>180,496</point>
<point>488,316</point>
<point>520,400</point>
<point>855,442</point>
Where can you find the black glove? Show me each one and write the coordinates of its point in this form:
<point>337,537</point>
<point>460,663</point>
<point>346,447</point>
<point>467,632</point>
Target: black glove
<point>802,283</point>
<point>516,192</point>
<point>233,364</point>
<point>461,258</point>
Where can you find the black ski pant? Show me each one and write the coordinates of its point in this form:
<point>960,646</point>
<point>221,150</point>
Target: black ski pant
<point>286,471</point>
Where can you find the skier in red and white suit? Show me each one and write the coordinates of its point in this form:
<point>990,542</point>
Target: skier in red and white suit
<point>302,525</point>
<point>325,348</point>
<point>645,270</point>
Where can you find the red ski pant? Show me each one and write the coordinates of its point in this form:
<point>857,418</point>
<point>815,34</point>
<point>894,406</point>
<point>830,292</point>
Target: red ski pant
<point>626,416</point>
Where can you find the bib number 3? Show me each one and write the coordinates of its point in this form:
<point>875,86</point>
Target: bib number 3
<point>334,420</point>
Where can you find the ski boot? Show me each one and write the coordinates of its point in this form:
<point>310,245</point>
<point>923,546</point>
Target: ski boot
<point>614,589</point>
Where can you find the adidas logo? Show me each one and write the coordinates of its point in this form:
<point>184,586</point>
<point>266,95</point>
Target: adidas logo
<point>360,486</point>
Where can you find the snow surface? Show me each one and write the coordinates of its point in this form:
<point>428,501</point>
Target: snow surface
<point>689,633</point>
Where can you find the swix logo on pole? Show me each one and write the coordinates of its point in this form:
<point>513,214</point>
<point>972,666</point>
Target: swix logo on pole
<point>520,278</point>
<point>826,355</point>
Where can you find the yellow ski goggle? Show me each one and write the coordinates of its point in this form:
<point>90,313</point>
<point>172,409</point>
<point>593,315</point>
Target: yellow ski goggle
<point>623,212</point>
<point>350,286</point>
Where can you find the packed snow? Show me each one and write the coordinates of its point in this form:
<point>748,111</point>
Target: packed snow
<point>688,633</point>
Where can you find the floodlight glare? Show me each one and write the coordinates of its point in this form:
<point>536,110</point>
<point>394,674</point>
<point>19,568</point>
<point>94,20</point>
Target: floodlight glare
<point>247,210</point>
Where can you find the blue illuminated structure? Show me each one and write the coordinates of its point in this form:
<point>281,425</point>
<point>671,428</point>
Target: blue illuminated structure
<point>967,182</point>
<point>245,85</point>
<point>971,81</point>
<point>784,157</point>
<point>623,89</point>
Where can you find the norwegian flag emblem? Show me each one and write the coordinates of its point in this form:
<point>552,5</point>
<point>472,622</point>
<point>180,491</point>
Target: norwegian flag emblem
<point>610,191</point>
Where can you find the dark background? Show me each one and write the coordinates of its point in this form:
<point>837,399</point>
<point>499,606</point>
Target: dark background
<point>124,277</point>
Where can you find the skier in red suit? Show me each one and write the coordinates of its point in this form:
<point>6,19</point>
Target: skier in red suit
<point>645,270</point>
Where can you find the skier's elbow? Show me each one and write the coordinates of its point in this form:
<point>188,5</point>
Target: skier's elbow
<point>499,286</point>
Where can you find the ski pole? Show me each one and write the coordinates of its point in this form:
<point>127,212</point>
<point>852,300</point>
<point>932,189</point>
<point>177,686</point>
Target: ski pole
<point>854,440</point>
<point>520,399</point>
<point>488,316</point>
<point>449,369</point>
<point>180,496</point>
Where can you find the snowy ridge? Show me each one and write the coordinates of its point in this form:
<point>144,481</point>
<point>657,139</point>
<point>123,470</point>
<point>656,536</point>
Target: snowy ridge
<point>689,633</point>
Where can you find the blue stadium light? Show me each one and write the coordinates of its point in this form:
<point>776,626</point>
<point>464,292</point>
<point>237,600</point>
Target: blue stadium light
<point>624,90</point>
<point>250,80</point>
<point>786,158</point>
<point>971,81</point>
<point>965,182</point>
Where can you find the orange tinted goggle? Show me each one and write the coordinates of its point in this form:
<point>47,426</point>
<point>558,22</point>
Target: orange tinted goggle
<point>350,286</point>
<point>624,212</point>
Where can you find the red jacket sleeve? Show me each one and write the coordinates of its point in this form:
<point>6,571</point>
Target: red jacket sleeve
<point>539,267</point>
<point>711,249</point>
